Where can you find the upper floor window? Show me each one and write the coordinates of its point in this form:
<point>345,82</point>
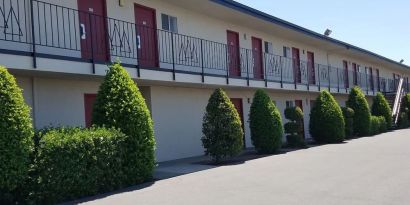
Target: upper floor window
<point>169,23</point>
<point>286,52</point>
<point>268,47</point>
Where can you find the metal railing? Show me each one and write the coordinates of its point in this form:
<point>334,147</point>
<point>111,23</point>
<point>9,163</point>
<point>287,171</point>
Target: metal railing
<point>47,30</point>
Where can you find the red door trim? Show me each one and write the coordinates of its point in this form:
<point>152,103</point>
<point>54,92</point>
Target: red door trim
<point>261,76</point>
<point>234,68</point>
<point>311,67</point>
<point>346,73</point>
<point>156,52</point>
<point>296,65</point>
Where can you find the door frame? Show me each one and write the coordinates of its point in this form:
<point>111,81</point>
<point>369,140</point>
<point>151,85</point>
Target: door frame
<point>311,70</point>
<point>346,73</point>
<point>107,40</point>
<point>156,50</point>
<point>260,56</point>
<point>297,74</point>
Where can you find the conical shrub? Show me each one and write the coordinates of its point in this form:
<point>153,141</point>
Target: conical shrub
<point>361,120</point>
<point>221,128</point>
<point>16,135</point>
<point>265,124</point>
<point>381,107</point>
<point>119,104</point>
<point>348,114</point>
<point>326,120</point>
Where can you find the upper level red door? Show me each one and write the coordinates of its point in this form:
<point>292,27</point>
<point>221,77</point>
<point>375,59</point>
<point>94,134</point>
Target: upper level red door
<point>296,65</point>
<point>93,29</point>
<point>378,79</point>
<point>311,67</point>
<point>346,74</point>
<point>354,67</point>
<point>233,53</point>
<point>257,58</point>
<point>371,79</point>
<point>146,24</point>
<point>89,100</point>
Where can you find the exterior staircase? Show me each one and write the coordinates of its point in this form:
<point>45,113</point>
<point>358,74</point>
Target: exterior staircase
<point>394,99</point>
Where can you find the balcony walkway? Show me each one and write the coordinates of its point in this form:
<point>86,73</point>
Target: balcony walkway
<point>370,170</point>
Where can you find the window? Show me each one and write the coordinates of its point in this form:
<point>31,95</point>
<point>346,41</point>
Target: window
<point>286,52</point>
<point>290,103</point>
<point>169,23</point>
<point>268,47</point>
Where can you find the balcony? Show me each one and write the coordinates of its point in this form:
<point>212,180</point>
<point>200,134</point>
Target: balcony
<point>43,30</point>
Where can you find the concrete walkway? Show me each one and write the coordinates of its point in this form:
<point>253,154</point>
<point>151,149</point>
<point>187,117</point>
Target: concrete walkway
<point>371,170</point>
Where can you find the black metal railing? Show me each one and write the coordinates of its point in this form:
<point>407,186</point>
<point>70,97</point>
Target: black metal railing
<point>49,30</point>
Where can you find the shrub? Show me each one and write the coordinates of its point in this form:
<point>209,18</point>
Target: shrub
<point>119,104</point>
<point>265,124</point>
<point>73,162</point>
<point>405,107</point>
<point>383,124</point>
<point>294,128</point>
<point>326,120</point>
<point>374,125</point>
<point>403,121</point>
<point>348,115</point>
<point>361,120</point>
<point>221,128</point>
<point>16,134</point>
<point>381,107</point>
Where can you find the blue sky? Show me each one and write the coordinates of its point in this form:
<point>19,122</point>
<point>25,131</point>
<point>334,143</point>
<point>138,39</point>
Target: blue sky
<point>381,26</point>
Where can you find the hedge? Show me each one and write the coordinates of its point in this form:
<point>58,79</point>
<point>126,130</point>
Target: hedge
<point>119,104</point>
<point>403,121</point>
<point>326,120</point>
<point>71,163</point>
<point>16,134</point>
<point>381,107</point>
<point>348,114</point>
<point>265,124</point>
<point>294,128</point>
<point>361,120</point>
<point>221,128</point>
<point>406,105</point>
<point>377,125</point>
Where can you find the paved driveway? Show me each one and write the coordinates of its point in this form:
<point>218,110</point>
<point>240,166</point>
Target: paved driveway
<point>371,170</point>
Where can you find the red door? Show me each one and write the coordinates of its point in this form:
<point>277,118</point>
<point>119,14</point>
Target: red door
<point>89,100</point>
<point>371,78</point>
<point>233,53</point>
<point>311,67</point>
<point>378,79</point>
<point>93,29</point>
<point>237,102</point>
<point>257,58</point>
<point>296,65</point>
<point>346,74</point>
<point>354,73</point>
<point>146,24</point>
<point>299,103</point>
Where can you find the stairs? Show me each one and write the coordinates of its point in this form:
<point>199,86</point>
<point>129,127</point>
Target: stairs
<point>394,99</point>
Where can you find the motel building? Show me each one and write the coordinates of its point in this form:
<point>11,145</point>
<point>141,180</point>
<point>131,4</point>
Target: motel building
<point>178,52</point>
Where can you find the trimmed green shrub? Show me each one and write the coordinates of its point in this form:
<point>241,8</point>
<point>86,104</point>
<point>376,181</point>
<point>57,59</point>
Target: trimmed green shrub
<point>265,124</point>
<point>221,128</point>
<point>374,125</point>
<point>383,124</point>
<point>294,128</point>
<point>119,104</point>
<point>348,114</point>
<point>73,162</point>
<point>405,107</point>
<point>403,121</point>
<point>16,134</point>
<point>361,120</point>
<point>381,107</point>
<point>326,120</point>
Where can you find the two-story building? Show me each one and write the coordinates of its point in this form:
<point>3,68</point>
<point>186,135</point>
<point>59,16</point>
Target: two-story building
<point>178,52</point>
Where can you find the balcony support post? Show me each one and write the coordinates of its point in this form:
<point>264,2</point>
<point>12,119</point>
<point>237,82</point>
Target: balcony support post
<point>173,56</point>
<point>338,81</point>
<point>247,67</point>
<point>281,71</point>
<point>227,64</point>
<point>92,42</point>
<point>328,76</point>
<point>33,35</point>
<point>264,69</point>
<point>202,63</point>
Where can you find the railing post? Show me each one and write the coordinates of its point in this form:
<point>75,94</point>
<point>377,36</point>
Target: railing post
<point>295,72</point>
<point>328,76</point>
<point>319,76</point>
<point>202,62</point>
<point>264,69</point>
<point>173,56</point>
<point>247,67</point>
<point>307,75</point>
<point>281,71</point>
<point>92,42</point>
<point>227,64</point>
<point>367,81</point>
<point>33,35</point>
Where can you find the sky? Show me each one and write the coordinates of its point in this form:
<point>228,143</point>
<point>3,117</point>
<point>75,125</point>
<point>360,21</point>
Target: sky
<point>380,26</point>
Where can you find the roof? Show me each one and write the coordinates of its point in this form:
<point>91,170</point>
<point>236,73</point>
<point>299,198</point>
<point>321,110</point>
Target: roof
<point>267,17</point>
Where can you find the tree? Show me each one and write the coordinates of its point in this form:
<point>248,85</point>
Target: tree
<point>381,107</point>
<point>221,128</point>
<point>16,133</point>
<point>294,128</point>
<point>326,120</point>
<point>119,104</point>
<point>361,120</point>
<point>265,124</point>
